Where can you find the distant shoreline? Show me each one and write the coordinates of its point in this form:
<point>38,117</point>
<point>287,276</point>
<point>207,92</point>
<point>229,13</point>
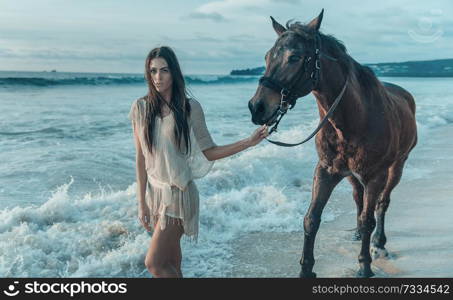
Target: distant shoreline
<point>426,68</point>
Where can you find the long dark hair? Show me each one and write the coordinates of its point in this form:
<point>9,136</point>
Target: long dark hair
<point>179,103</point>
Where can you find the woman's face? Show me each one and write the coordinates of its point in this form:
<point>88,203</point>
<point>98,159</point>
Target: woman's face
<point>161,75</point>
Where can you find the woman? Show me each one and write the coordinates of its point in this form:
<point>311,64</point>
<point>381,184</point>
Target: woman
<point>173,147</point>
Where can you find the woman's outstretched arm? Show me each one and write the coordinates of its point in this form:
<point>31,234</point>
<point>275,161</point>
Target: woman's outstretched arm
<point>218,152</point>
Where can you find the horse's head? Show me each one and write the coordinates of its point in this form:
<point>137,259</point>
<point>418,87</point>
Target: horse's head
<point>289,66</point>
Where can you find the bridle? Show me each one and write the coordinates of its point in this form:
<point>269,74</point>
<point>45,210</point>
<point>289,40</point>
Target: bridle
<point>289,94</point>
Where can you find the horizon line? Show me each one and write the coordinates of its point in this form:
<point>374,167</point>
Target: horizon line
<point>96,72</point>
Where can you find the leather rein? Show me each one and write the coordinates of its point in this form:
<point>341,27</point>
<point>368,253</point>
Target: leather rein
<point>290,95</point>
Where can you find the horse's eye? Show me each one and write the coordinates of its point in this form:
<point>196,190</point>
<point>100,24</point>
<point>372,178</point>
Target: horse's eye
<point>294,58</point>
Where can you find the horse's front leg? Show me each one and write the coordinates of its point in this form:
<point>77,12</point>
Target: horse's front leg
<point>323,185</point>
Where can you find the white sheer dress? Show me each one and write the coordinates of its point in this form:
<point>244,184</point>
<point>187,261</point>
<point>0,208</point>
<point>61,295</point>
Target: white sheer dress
<point>171,191</point>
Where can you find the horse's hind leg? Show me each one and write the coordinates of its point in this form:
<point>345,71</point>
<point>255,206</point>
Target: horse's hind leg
<point>367,222</point>
<point>379,238</point>
<point>323,185</point>
<point>357,194</point>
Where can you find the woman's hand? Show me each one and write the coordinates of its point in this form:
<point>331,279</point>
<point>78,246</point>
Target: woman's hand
<point>258,135</point>
<point>144,216</point>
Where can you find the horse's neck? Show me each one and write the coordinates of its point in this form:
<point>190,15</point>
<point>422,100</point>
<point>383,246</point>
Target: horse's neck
<point>349,115</point>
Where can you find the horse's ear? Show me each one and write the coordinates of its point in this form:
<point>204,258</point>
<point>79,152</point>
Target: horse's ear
<point>279,29</point>
<point>316,22</point>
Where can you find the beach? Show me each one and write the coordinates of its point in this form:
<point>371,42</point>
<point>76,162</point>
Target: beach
<point>419,228</point>
<point>71,73</point>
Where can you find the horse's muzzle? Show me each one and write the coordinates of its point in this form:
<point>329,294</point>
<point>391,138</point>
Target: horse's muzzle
<point>252,112</point>
<point>258,112</point>
<point>273,118</point>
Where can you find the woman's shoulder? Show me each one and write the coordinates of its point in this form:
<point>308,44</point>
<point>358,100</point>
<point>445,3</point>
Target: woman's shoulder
<point>194,102</point>
<point>137,108</point>
<point>140,101</point>
<point>195,106</point>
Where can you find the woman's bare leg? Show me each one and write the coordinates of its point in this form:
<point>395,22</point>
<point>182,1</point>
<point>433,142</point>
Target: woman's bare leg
<point>164,253</point>
<point>178,256</point>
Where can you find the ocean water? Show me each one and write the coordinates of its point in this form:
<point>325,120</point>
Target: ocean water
<point>67,172</point>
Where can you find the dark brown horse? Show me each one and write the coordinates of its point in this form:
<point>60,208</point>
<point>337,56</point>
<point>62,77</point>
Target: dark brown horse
<point>369,131</point>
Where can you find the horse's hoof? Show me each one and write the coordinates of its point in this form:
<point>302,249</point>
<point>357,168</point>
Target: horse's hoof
<point>377,252</point>
<point>367,273</point>
<point>307,275</point>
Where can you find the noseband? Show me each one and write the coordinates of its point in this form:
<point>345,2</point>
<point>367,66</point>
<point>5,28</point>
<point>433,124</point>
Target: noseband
<point>290,94</point>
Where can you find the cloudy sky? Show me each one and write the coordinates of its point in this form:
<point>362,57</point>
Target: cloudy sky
<point>209,37</point>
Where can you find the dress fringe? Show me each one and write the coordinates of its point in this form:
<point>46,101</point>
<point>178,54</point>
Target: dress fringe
<point>183,209</point>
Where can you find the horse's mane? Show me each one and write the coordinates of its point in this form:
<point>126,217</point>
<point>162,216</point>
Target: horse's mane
<point>362,75</point>
<point>328,41</point>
